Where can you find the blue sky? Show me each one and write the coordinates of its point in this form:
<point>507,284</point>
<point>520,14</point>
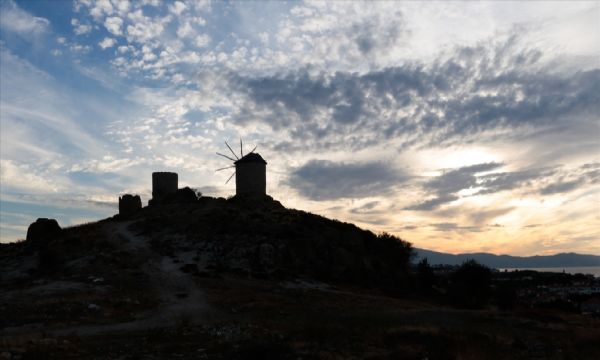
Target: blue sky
<point>459,126</point>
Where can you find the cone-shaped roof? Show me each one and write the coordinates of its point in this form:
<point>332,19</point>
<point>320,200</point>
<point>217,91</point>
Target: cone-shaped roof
<point>251,157</point>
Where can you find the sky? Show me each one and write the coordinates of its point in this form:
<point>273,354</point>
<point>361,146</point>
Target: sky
<point>458,126</point>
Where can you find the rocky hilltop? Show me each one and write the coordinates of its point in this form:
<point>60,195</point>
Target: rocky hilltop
<point>257,237</point>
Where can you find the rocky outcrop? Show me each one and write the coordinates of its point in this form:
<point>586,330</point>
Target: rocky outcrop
<point>43,230</point>
<point>129,204</point>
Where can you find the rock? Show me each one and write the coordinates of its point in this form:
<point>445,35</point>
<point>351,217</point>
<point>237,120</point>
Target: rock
<point>43,229</point>
<point>129,204</point>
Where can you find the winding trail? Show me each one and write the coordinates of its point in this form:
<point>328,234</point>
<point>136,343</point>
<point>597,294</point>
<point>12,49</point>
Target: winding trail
<point>180,296</point>
<point>181,300</point>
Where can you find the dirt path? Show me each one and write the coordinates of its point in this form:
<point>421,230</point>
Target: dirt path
<point>181,299</point>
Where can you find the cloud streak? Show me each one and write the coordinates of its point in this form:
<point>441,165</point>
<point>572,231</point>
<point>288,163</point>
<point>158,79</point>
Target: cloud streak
<point>15,20</point>
<point>328,180</point>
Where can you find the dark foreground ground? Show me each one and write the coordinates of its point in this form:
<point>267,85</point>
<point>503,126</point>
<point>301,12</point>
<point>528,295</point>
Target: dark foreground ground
<point>238,318</point>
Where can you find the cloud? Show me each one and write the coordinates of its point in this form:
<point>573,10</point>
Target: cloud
<point>328,180</point>
<point>562,187</point>
<point>455,227</point>
<point>567,181</point>
<point>100,8</point>
<point>16,20</point>
<point>23,178</point>
<point>369,208</point>
<point>501,181</point>
<point>177,7</point>
<point>482,179</point>
<point>446,187</point>
<point>79,48</point>
<point>433,204</point>
<point>455,180</point>
<point>80,28</point>
<point>482,216</point>
<point>202,40</point>
<point>462,98</point>
<point>113,25</point>
<point>143,28</point>
<point>185,30</point>
<point>107,43</point>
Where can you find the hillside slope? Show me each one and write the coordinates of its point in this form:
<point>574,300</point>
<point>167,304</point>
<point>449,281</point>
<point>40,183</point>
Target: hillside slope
<point>237,279</point>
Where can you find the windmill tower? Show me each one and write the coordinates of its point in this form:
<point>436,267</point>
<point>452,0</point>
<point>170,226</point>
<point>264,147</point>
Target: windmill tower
<point>250,172</point>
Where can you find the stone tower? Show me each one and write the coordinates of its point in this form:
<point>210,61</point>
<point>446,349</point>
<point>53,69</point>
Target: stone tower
<point>251,176</point>
<point>163,183</point>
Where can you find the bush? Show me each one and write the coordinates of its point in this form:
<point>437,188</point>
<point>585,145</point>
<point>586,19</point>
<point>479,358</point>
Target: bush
<point>470,285</point>
<point>425,276</point>
<point>401,250</point>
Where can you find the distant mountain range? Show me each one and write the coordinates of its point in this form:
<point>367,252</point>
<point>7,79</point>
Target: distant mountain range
<point>507,261</point>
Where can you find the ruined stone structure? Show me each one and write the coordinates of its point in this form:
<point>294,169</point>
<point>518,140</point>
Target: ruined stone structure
<point>251,175</point>
<point>129,204</point>
<point>163,184</point>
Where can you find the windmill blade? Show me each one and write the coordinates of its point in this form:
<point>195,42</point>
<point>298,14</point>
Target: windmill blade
<point>241,148</point>
<point>230,177</point>
<point>225,168</point>
<point>253,149</point>
<point>231,150</point>
<point>225,156</point>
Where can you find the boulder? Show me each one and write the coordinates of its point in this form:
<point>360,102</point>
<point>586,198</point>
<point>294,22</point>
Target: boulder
<point>129,204</point>
<point>43,229</point>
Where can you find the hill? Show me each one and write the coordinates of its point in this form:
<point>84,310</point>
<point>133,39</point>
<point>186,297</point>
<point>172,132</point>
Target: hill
<point>507,261</point>
<point>244,279</point>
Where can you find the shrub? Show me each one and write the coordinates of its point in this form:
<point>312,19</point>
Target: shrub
<point>401,250</point>
<point>470,285</point>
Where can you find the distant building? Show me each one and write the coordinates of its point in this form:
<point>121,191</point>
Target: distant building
<point>251,175</point>
<point>163,184</point>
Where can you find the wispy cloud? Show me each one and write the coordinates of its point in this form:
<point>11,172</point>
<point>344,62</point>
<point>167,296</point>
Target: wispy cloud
<point>15,20</point>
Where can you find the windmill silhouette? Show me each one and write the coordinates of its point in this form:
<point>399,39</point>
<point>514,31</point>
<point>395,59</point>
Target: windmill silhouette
<point>232,159</point>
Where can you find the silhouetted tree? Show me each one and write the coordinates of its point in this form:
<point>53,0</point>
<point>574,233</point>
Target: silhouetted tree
<point>401,250</point>
<point>470,285</point>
